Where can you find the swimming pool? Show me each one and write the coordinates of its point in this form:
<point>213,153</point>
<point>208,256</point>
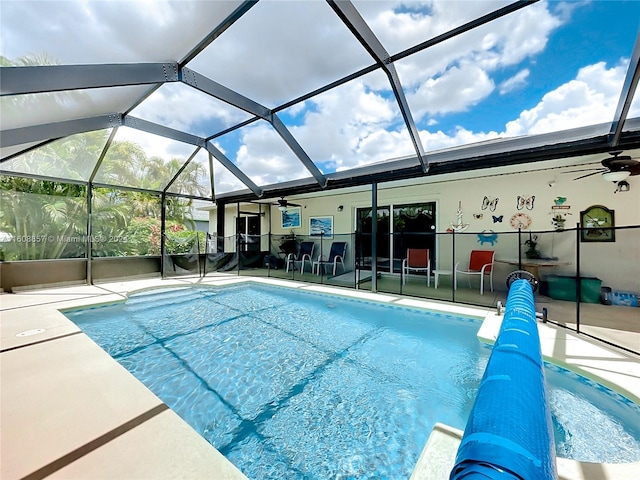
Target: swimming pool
<point>291,384</point>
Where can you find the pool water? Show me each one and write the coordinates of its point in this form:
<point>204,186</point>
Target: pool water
<point>291,384</point>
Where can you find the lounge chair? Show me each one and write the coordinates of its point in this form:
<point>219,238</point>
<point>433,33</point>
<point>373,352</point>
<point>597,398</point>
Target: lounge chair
<point>305,253</point>
<point>336,256</point>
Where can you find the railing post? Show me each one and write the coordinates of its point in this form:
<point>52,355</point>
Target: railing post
<point>295,252</point>
<point>578,291</point>
<point>268,255</point>
<point>198,254</point>
<point>89,244</point>
<point>519,248</point>
<point>321,258</point>
<point>163,227</point>
<point>238,237</point>
<point>453,265</point>
<point>374,237</point>
<point>356,262</point>
<point>401,249</point>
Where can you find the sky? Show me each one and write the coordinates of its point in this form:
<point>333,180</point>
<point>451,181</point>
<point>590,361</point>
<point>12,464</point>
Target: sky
<point>550,66</point>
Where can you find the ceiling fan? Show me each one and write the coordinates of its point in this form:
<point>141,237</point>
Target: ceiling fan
<point>283,204</point>
<point>614,169</point>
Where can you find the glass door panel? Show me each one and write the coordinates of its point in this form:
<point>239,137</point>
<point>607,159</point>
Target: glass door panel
<point>383,240</point>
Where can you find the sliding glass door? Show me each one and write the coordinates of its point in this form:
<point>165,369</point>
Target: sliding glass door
<point>414,226</point>
<point>398,227</point>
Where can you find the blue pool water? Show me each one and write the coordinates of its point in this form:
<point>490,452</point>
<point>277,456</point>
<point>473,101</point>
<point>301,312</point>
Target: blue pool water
<point>290,384</point>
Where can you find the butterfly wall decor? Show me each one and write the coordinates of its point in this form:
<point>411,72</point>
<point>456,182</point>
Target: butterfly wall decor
<point>477,216</point>
<point>490,203</point>
<point>497,219</point>
<point>525,202</point>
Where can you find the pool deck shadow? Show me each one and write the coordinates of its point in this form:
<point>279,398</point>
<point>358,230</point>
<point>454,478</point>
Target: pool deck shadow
<point>69,410</point>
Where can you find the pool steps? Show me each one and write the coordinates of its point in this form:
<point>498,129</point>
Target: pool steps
<point>153,299</point>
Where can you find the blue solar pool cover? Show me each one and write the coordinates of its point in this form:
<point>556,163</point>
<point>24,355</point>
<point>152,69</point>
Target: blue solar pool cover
<point>509,432</point>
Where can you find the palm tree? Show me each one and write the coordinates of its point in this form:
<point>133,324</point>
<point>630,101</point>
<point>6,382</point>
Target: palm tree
<point>192,180</point>
<point>121,165</point>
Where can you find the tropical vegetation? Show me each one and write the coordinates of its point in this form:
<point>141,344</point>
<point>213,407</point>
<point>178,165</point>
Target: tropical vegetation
<point>46,219</point>
<point>43,218</point>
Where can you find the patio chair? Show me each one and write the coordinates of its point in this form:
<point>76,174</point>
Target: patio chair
<point>305,253</point>
<point>336,256</point>
<point>417,261</point>
<point>480,263</point>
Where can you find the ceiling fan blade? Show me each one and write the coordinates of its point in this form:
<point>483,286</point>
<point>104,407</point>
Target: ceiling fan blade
<point>588,175</point>
<point>619,162</point>
<point>284,203</point>
<point>599,169</point>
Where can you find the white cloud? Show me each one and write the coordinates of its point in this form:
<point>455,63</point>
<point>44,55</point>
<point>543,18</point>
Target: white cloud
<point>266,158</point>
<point>350,126</point>
<point>458,73</point>
<point>439,140</point>
<point>224,180</point>
<point>281,50</point>
<point>456,90</point>
<point>525,33</point>
<point>181,107</point>
<point>518,81</point>
<point>95,31</point>
<point>505,41</point>
<point>591,98</point>
<point>154,145</point>
<point>401,24</point>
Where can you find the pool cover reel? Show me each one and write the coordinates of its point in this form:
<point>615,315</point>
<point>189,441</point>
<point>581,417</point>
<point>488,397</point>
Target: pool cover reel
<point>509,434</point>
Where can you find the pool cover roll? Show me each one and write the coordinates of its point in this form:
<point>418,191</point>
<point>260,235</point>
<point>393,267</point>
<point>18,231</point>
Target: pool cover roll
<point>509,433</point>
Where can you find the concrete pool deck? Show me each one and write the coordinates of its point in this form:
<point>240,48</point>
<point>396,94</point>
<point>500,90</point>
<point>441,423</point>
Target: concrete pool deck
<point>68,410</point>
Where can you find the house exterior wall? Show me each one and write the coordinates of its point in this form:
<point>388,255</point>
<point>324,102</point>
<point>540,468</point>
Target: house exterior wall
<point>616,263</point>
